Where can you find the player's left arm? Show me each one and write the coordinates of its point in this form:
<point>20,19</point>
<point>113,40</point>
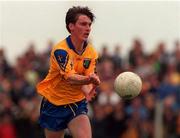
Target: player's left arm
<point>89,90</point>
<point>92,69</point>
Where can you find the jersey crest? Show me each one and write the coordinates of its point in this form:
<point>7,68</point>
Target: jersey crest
<point>86,63</point>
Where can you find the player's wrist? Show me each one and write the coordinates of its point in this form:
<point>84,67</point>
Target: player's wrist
<point>88,79</point>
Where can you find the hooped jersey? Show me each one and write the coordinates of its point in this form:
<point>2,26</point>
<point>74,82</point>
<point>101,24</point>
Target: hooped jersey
<point>64,61</point>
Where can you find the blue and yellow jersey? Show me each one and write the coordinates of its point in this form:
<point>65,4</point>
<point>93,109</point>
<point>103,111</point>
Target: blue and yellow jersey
<point>64,61</point>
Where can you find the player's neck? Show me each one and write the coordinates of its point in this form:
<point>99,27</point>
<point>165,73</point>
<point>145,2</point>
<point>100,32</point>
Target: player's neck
<point>77,43</point>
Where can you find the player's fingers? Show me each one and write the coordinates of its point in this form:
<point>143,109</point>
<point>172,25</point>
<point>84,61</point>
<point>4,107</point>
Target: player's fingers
<point>96,81</point>
<point>93,97</point>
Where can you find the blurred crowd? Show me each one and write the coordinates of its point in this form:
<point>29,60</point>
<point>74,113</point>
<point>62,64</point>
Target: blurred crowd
<point>155,113</point>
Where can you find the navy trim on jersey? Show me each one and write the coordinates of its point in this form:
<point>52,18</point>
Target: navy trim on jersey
<point>71,46</point>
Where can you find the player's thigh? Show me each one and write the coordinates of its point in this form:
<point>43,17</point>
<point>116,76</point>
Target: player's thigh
<point>80,127</point>
<point>54,134</point>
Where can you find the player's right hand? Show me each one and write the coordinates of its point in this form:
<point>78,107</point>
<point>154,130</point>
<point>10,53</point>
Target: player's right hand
<point>94,79</point>
<point>91,95</point>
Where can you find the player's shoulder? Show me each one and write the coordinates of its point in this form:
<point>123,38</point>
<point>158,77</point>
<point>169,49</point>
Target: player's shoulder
<point>90,49</point>
<point>60,45</point>
<point>60,48</point>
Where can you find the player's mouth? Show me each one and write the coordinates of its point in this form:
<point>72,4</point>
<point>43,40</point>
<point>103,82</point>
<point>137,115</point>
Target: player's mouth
<point>86,35</point>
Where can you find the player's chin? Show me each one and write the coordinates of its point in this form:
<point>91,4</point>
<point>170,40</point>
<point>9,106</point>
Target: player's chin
<point>85,38</point>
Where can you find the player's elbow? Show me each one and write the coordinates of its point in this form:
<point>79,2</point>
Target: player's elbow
<point>69,79</point>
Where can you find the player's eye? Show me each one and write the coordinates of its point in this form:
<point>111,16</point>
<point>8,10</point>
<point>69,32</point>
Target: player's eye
<point>90,24</point>
<point>83,24</point>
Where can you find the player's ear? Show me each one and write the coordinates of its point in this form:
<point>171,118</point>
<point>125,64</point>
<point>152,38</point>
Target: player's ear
<point>71,27</point>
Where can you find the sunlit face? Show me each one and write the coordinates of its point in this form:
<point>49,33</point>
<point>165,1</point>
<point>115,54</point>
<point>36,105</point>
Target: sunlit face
<point>81,29</point>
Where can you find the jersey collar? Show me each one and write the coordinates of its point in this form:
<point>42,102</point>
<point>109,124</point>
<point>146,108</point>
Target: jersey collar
<point>71,46</point>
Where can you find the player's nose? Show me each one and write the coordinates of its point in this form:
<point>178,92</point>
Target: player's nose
<point>88,28</point>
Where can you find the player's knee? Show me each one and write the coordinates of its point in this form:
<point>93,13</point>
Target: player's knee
<point>84,134</point>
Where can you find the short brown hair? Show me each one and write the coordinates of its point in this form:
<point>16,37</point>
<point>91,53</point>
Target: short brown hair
<point>74,12</point>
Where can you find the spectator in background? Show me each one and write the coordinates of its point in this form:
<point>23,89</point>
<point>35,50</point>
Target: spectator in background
<point>7,129</point>
<point>104,55</point>
<point>136,52</point>
<point>177,126</point>
<point>99,123</point>
<point>176,55</point>
<point>117,60</point>
<point>4,65</point>
<point>162,57</point>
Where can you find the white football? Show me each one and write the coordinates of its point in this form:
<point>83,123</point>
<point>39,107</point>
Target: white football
<point>128,85</point>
